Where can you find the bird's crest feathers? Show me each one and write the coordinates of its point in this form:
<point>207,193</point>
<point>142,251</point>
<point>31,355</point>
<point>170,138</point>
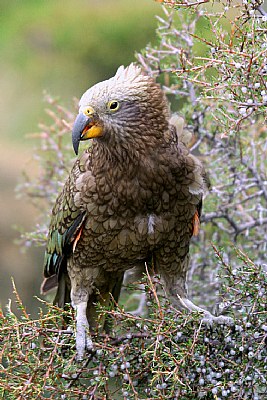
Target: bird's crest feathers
<point>126,80</point>
<point>130,73</point>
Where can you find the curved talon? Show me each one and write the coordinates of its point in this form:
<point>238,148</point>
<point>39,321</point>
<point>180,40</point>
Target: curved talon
<point>82,345</point>
<point>89,343</point>
<point>140,311</point>
<point>209,319</point>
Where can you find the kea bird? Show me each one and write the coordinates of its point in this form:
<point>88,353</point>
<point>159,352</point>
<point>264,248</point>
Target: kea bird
<point>133,196</point>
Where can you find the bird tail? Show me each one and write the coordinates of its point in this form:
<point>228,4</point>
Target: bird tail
<point>63,291</point>
<point>62,284</point>
<point>48,284</point>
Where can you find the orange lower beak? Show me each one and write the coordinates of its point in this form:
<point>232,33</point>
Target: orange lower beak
<point>91,131</point>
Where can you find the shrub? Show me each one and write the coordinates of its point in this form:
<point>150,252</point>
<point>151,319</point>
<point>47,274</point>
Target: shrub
<point>212,61</point>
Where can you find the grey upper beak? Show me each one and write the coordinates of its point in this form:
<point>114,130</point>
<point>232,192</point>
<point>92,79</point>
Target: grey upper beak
<point>80,124</point>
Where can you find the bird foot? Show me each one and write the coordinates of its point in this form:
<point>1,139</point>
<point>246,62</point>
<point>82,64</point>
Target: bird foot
<point>141,309</point>
<point>83,338</point>
<point>208,318</point>
<point>83,342</point>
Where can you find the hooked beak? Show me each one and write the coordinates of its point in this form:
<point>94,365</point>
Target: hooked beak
<point>85,127</point>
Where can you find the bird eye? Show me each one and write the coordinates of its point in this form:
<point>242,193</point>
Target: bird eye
<point>113,105</point>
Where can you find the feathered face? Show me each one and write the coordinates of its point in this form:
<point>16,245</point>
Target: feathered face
<point>128,106</point>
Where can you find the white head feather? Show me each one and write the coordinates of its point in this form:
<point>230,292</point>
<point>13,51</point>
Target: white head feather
<point>124,84</point>
<point>130,73</point>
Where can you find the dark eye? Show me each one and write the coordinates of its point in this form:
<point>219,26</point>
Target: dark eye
<point>113,105</point>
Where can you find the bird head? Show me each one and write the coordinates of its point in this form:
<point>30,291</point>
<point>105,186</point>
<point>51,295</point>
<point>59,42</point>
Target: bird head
<point>127,107</point>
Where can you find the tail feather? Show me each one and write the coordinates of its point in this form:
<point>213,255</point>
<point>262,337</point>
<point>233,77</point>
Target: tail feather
<point>48,284</point>
<point>63,291</point>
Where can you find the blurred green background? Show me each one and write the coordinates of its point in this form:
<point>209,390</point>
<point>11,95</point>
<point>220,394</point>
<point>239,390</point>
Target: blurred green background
<point>62,47</point>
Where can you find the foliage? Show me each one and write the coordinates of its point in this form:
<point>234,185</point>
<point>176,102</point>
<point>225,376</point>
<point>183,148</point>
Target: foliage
<point>54,157</point>
<point>61,48</point>
<point>166,355</point>
<point>217,55</point>
<point>212,59</point>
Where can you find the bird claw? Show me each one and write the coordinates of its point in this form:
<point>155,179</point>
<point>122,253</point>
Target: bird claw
<point>210,319</point>
<point>83,338</point>
<point>141,309</point>
<point>83,342</point>
<point>89,343</point>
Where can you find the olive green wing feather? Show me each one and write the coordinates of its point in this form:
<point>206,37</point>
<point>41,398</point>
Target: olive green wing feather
<point>66,222</point>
